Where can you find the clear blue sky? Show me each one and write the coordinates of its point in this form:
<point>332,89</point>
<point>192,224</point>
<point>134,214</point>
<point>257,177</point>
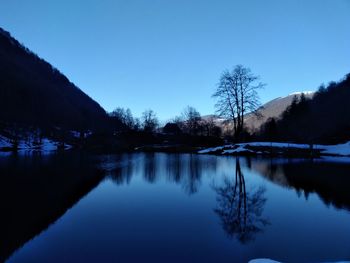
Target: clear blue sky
<point>167,54</point>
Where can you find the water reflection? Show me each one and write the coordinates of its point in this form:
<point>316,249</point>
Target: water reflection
<point>150,168</point>
<point>192,182</point>
<point>329,180</point>
<point>174,167</point>
<point>240,211</point>
<point>36,190</point>
<point>122,170</point>
<point>183,169</point>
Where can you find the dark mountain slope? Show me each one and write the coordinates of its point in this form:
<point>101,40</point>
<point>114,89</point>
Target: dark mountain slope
<point>325,118</point>
<point>32,92</point>
<point>272,109</point>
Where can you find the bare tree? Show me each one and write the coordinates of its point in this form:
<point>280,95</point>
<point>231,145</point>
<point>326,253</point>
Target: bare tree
<point>124,116</point>
<point>150,121</point>
<point>209,127</point>
<point>118,113</point>
<point>192,120</point>
<point>129,119</point>
<point>137,124</point>
<point>237,95</point>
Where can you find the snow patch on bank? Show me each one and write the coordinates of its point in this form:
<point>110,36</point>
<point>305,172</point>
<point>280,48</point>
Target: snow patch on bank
<point>339,149</point>
<point>4,142</point>
<point>263,260</point>
<point>30,145</point>
<point>215,149</point>
<point>240,149</point>
<point>335,150</point>
<point>275,144</point>
<point>267,260</point>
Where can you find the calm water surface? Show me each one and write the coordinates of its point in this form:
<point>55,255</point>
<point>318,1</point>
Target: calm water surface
<point>173,208</point>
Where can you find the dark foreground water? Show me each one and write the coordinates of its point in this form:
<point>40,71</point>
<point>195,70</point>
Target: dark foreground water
<point>172,208</point>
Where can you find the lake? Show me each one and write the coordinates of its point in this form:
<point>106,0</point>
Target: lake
<point>159,207</point>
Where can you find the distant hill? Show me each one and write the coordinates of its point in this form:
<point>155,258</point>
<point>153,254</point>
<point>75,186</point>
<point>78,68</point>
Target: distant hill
<point>323,119</point>
<point>32,92</point>
<point>271,109</point>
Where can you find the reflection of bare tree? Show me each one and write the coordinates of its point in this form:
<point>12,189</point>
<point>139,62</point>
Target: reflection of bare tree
<point>239,211</point>
<point>120,167</point>
<point>185,170</point>
<point>173,167</point>
<point>194,175</point>
<point>150,168</point>
<point>182,169</point>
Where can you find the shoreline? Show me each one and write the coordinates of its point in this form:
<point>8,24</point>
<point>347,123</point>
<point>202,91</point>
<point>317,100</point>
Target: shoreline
<point>270,149</point>
<point>264,149</point>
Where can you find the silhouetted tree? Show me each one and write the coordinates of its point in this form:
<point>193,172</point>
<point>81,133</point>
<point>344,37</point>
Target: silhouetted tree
<point>137,124</point>
<point>150,121</point>
<point>210,128</point>
<point>325,118</point>
<point>192,120</point>
<point>124,116</point>
<point>269,128</point>
<point>237,95</point>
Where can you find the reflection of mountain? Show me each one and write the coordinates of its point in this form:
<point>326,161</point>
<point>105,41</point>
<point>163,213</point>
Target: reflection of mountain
<point>240,211</point>
<point>330,181</point>
<point>37,190</point>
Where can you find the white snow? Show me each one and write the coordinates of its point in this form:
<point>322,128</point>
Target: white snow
<point>276,144</point>
<point>338,150</point>
<point>4,142</point>
<point>32,145</point>
<point>48,145</point>
<point>75,134</point>
<point>267,260</point>
<point>302,92</point>
<point>240,149</point>
<point>263,260</point>
<point>215,149</point>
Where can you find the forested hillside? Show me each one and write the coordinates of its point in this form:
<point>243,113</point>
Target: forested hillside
<point>324,118</point>
<point>34,93</point>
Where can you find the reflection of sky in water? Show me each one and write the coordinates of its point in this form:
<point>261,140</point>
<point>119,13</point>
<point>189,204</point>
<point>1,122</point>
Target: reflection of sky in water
<point>161,208</point>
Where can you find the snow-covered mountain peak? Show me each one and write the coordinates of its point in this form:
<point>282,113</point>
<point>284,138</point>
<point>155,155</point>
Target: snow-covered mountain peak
<point>302,92</point>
